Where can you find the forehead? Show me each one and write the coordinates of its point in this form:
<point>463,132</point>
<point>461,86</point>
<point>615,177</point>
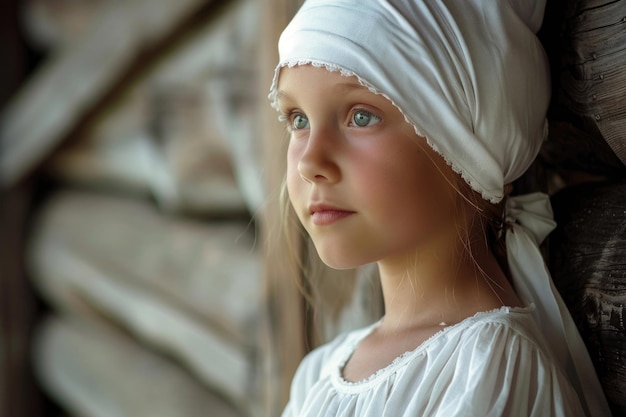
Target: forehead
<point>294,81</point>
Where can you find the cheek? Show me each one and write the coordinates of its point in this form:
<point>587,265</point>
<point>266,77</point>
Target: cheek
<point>415,192</point>
<point>294,181</point>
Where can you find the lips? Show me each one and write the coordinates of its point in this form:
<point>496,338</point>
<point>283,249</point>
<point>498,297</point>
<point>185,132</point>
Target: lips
<point>323,214</point>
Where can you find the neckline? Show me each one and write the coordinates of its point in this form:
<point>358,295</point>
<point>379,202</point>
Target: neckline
<point>380,375</point>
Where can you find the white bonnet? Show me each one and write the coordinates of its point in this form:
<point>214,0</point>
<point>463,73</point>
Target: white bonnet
<point>469,75</point>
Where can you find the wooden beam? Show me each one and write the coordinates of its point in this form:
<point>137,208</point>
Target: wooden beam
<point>285,331</point>
<point>80,79</point>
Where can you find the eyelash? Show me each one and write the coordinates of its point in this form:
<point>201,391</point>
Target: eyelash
<point>284,117</point>
<point>287,117</point>
<point>369,113</point>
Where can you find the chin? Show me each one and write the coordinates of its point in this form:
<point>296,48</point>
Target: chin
<point>340,261</point>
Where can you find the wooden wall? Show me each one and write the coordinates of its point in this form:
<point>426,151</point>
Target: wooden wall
<point>19,307</point>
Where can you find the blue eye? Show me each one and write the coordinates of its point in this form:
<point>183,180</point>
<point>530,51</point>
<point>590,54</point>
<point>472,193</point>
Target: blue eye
<point>299,121</point>
<point>363,118</point>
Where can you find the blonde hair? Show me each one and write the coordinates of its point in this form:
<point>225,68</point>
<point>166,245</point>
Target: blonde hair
<point>490,218</point>
<point>295,237</point>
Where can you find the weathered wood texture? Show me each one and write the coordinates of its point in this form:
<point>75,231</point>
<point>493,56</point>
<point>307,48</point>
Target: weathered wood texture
<point>51,24</point>
<point>180,129</point>
<point>98,371</point>
<point>82,77</point>
<point>182,132</point>
<point>184,287</point>
<point>586,43</point>
<point>151,99</point>
<point>190,171</point>
<point>19,394</point>
<point>588,261</point>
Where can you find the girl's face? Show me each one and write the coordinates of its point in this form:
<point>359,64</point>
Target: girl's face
<point>365,186</point>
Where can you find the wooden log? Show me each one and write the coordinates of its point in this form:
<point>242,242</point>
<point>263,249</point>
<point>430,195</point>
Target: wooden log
<point>577,149</point>
<point>193,175</point>
<point>187,288</point>
<point>233,91</point>
<point>95,370</point>
<point>77,81</point>
<point>53,23</point>
<point>588,261</point>
<point>588,113</point>
<point>183,132</point>
<point>218,65</point>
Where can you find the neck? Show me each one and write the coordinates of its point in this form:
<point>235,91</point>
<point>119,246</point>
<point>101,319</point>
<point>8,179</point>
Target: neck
<point>432,286</point>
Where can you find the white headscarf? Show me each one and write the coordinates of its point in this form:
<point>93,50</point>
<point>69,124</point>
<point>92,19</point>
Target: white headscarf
<point>472,78</point>
<point>469,75</point>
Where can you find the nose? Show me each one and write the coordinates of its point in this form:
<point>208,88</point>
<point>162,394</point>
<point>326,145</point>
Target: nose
<point>318,161</point>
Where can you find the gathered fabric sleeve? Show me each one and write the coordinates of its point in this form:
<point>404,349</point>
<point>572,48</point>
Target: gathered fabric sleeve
<point>305,377</point>
<point>499,371</point>
<point>309,372</point>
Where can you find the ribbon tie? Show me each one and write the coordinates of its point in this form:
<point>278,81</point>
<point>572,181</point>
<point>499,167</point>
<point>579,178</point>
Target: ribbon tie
<point>529,220</point>
<point>533,213</point>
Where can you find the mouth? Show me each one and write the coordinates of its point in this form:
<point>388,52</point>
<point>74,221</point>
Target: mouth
<point>323,215</point>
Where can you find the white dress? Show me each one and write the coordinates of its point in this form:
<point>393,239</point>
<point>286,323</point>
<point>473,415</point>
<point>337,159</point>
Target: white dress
<point>490,364</point>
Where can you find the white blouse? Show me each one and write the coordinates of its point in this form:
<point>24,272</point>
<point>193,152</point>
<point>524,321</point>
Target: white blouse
<point>491,364</point>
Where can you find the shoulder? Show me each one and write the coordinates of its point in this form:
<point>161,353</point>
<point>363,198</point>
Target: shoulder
<point>324,360</point>
<point>502,326</point>
<point>501,358</point>
<point>507,340</point>
<point>512,332</point>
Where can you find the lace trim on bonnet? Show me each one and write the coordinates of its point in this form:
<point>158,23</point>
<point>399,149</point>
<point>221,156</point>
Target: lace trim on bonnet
<point>272,96</point>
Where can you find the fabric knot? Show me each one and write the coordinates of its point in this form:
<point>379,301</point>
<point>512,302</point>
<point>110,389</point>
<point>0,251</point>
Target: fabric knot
<point>531,212</point>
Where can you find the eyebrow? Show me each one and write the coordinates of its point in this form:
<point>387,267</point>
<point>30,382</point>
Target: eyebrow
<point>280,94</point>
<point>351,86</point>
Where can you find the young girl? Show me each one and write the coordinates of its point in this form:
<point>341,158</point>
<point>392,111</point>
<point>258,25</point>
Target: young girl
<point>408,119</point>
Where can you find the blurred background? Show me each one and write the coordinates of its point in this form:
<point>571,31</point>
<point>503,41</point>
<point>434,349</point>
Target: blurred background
<point>143,271</point>
<point>131,171</point>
